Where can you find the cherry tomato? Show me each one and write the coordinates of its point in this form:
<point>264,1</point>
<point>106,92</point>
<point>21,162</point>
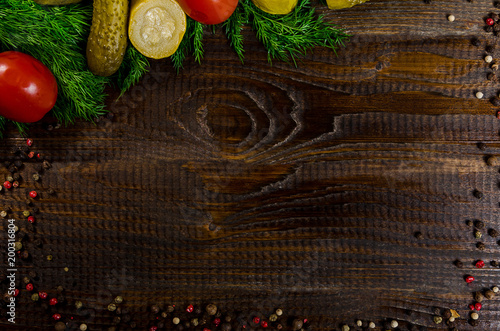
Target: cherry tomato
<point>28,90</point>
<point>209,11</point>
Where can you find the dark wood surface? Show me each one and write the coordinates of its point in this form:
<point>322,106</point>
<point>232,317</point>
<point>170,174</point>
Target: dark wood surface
<point>255,186</point>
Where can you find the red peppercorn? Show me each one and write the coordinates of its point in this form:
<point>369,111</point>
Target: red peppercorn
<point>33,194</point>
<point>153,328</point>
<point>469,279</point>
<point>190,308</point>
<point>264,324</point>
<point>29,142</point>
<point>472,307</point>
<point>7,184</point>
<point>38,155</point>
<point>42,295</point>
<point>256,320</point>
<point>16,292</point>
<point>480,264</point>
<point>31,219</point>
<point>31,154</point>
<point>217,321</point>
<point>478,306</point>
<point>29,287</point>
<point>206,329</point>
<point>53,302</point>
<point>56,316</point>
<point>490,21</point>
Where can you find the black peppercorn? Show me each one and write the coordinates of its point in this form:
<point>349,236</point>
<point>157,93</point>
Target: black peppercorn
<point>489,294</point>
<point>493,233</point>
<point>491,160</point>
<point>473,322</point>
<point>469,223</point>
<point>447,314</point>
<point>478,296</point>
<point>459,264</point>
<point>491,76</point>
<point>211,309</point>
<point>297,324</point>
<point>479,224</point>
<point>476,42</point>
<point>481,246</point>
<point>418,235</point>
<point>155,309</point>
<point>478,194</point>
<point>494,263</point>
<point>482,146</point>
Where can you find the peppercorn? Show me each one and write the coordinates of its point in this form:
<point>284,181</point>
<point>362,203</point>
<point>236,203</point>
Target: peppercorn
<point>78,304</point>
<point>478,296</point>
<point>49,257</point>
<point>83,327</point>
<point>273,317</point>
<point>394,324</point>
<point>475,42</point>
<point>459,264</point>
<point>481,246</point>
<point>469,279</point>
<point>495,289</point>
<point>176,320</point>
<point>155,309</point>
<point>359,323</point>
<point>3,213</point>
<point>279,312</point>
<point>111,307</point>
<point>491,76</point>
<point>170,309</point>
<point>371,325</point>
<point>118,299</point>
<point>60,326</point>
<point>419,235</point>
<point>18,246</point>
<point>489,294</point>
<point>478,194</point>
<point>225,327</point>
<point>211,309</point>
<point>493,233</point>
<point>478,234</point>
<point>297,324</point>
<point>474,316</point>
<point>451,18</point>
<point>194,322</point>
<point>36,176</point>
<point>344,328</point>
<point>438,319</point>
<point>46,165</point>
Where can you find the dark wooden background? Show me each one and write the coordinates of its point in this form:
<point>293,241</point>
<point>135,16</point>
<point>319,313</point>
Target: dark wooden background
<point>255,186</point>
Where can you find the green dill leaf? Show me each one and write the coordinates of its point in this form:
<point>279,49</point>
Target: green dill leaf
<point>57,36</point>
<point>232,27</point>
<point>192,43</point>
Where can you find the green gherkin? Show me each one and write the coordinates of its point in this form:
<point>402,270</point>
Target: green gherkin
<point>107,41</point>
<point>56,2</point>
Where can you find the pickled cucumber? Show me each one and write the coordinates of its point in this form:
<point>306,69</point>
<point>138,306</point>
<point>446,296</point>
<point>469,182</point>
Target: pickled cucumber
<point>156,27</point>
<point>107,41</point>
<point>56,2</point>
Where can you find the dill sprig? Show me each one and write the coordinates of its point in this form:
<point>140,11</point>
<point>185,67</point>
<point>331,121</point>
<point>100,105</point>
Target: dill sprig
<point>192,43</point>
<point>57,35</point>
<point>285,37</point>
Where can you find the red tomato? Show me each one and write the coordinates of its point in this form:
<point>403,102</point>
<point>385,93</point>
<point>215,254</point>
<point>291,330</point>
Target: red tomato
<point>28,90</point>
<point>209,11</point>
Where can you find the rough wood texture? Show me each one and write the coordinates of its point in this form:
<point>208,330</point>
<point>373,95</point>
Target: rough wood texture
<point>257,186</point>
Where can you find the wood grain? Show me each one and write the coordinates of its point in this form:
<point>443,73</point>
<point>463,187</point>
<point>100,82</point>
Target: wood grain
<point>258,186</point>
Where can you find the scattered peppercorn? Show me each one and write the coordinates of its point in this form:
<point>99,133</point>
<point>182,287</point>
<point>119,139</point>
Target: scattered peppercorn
<point>459,264</point>
<point>176,320</point>
<point>479,264</point>
<point>418,235</point>
<point>478,296</point>
<point>478,306</point>
<point>297,324</point>
<point>474,316</point>
<point>481,246</point>
<point>111,307</point>
<point>394,324</point>
<point>478,194</point>
<point>478,234</point>
<point>451,18</point>
<point>437,319</point>
<point>493,233</point>
<point>279,312</point>
<point>469,279</point>
<point>479,95</point>
<point>211,309</point>
<point>489,294</point>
